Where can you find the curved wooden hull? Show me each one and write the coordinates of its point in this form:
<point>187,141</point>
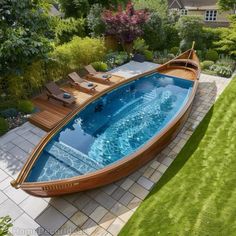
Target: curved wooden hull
<point>127,165</point>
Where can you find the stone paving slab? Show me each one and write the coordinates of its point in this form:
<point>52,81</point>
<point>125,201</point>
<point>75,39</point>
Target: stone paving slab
<point>99,212</point>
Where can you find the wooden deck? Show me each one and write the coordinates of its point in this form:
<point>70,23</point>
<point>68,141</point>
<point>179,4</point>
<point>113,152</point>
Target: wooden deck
<point>52,112</point>
<point>187,74</point>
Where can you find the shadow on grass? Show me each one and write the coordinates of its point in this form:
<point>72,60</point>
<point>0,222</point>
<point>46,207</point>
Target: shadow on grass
<point>190,146</point>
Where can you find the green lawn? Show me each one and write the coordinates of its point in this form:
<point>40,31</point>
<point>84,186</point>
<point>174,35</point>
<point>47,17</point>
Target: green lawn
<point>197,194</point>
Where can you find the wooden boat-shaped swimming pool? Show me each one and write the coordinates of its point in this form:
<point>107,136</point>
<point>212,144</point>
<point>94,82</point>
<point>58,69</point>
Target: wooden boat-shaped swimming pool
<point>115,132</point>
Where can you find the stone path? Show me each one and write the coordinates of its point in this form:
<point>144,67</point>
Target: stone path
<point>99,212</point>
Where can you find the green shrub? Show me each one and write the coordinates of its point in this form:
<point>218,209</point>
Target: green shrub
<point>67,28</point>
<point>26,106</point>
<point>154,32</point>
<point>200,55</point>
<point>10,112</point>
<point>116,58</point>
<point>6,104</point>
<point>212,55</point>
<point>5,225</point>
<point>223,71</point>
<point>148,55</point>
<point>226,61</point>
<point>79,52</point>
<point>100,66</point>
<point>211,35</point>
<point>162,57</point>
<point>140,46</point>
<point>65,58</point>
<point>207,64</point>
<point>174,50</point>
<point>94,21</point>
<point>190,29</point>
<point>29,82</point>
<point>3,130</point>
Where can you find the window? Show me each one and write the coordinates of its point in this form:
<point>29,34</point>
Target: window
<point>211,15</point>
<point>183,12</point>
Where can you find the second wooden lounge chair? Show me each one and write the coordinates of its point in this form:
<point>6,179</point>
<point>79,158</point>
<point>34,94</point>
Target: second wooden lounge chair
<point>97,76</point>
<point>81,84</point>
<point>54,92</point>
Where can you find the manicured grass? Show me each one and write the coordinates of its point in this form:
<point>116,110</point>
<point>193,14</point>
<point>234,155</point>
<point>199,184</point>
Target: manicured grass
<point>197,194</point>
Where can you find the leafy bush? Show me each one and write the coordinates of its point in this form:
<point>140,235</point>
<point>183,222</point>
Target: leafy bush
<point>25,35</point>
<point>125,25</point>
<point>223,71</point>
<point>154,32</point>
<point>201,55</point>
<point>163,57</point>
<point>26,106</point>
<point>207,64</point>
<point>6,104</point>
<point>227,42</point>
<point>190,29</point>
<point>100,66</point>
<point>67,28</point>
<point>3,130</point>
<point>211,35</point>
<point>140,46</point>
<point>75,8</point>
<point>212,55</point>
<point>66,57</point>
<point>158,6</point>
<point>174,50</point>
<point>226,61</point>
<point>148,55</point>
<point>94,21</point>
<point>116,58</point>
<point>10,112</point>
<point>80,52</point>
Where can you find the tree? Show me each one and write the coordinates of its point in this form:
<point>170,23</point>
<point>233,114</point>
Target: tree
<point>75,8</point>
<point>227,43</point>
<point>126,24</point>
<point>24,34</point>
<point>227,5</point>
<point>67,28</point>
<point>154,34</point>
<point>81,8</point>
<point>190,29</point>
<point>94,20</point>
<point>158,6</point>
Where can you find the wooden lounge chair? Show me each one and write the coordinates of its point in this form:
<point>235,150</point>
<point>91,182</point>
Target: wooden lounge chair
<point>54,92</point>
<point>81,84</point>
<point>97,76</point>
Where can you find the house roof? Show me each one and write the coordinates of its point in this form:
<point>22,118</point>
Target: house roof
<point>193,4</point>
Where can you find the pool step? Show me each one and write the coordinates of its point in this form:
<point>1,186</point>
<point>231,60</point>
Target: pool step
<point>76,153</point>
<point>77,162</point>
<point>150,96</point>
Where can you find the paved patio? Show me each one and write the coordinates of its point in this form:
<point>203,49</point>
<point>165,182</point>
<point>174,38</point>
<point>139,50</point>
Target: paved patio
<point>98,212</point>
<point>133,68</point>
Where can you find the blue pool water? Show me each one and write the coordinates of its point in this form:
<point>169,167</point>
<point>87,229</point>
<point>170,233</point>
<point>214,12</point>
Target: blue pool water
<point>112,127</point>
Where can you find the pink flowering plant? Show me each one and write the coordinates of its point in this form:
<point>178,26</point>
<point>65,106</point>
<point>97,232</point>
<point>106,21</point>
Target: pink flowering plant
<point>125,24</point>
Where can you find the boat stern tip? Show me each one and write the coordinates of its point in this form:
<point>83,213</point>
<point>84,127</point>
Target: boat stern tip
<point>15,184</point>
